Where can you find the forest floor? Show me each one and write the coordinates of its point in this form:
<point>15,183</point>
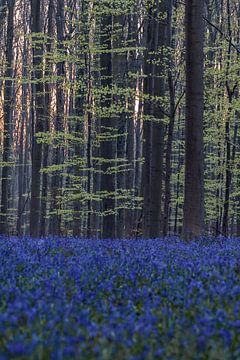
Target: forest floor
<point>156,299</point>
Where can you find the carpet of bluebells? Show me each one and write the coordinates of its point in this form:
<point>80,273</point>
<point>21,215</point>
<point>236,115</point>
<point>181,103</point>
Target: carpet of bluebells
<point>117,300</point>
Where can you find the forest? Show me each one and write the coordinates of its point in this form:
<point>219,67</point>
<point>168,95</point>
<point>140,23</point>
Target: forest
<point>117,120</point>
<point>119,180</point>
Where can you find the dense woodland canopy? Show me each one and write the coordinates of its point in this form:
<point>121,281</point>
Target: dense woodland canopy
<point>107,127</point>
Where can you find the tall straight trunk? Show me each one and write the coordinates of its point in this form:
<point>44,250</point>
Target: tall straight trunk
<point>193,222</point>
<point>177,187</point>
<point>157,40</point>
<point>168,170</point>
<point>132,66</point>
<point>79,112</point>
<point>55,223</point>
<point>218,194</point>
<point>107,132</point>
<point>228,176</point>
<point>148,89</point>
<point>96,218</point>
<point>177,206</point>
<point>228,159</point>
<point>163,41</point>
<point>47,114</point>
<point>119,70</point>
<point>37,121</point>
<point>79,152</point>
<point>7,110</point>
<point>138,168</point>
<point>89,144</point>
<point>21,142</point>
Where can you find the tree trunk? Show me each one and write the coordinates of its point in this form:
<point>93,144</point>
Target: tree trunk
<point>228,160</point>
<point>158,128</point>
<point>89,143</point>
<point>56,186</point>
<point>79,152</point>
<point>38,120</point>
<point>108,146</point>
<point>47,114</point>
<point>7,110</point>
<point>193,222</point>
<point>21,203</point>
<point>148,90</point>
<point>157,38</point>
<point>119,69</point>
<point>3,13</point>
<point>168,169</point>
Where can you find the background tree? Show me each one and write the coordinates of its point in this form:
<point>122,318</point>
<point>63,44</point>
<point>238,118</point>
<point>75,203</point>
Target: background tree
<point>38,117</point>
<point>7,127</point>
<point>92,118</point>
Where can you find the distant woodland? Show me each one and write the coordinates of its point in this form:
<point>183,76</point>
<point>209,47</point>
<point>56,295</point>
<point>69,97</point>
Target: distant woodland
<point>120,118</point>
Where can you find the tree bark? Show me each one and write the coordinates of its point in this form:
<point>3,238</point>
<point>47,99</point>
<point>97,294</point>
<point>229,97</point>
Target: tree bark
<point>7,110</point>
<point>168,169</point>
<point>38,120</point>
<point>47,114</point>
<point>193,222</point>
<point>119,70</point>
<point>21,203</point>
<point>56,185</point>
<point>157,38</point>
<point>108,146</point>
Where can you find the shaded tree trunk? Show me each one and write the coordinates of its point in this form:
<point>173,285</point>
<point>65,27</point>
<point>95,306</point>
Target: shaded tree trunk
<point>119,70</point>
<point>37,121</point>
<point>157,38</point>
<point>7,141</point>
<point>108,146</point>
<point>168,170</point>
<point>79,152</point>
<point>148,89</point>
<point>193,222</point>
<point>47,114</point>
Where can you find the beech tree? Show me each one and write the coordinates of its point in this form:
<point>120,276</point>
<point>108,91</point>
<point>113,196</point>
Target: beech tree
<point>102,123</point>
<point>7,111</point>
<point>193,222</point>
<point>108,144</point>
<point>38,118</point>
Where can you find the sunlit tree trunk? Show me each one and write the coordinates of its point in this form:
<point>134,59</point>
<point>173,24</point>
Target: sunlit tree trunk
<point>24,119</point>
<point>56,185</point>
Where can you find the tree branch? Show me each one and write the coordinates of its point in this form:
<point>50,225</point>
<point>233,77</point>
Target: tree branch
<point>222,34</point>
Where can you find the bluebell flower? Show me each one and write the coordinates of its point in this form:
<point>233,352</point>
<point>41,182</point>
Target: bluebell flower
<point>133,299</point>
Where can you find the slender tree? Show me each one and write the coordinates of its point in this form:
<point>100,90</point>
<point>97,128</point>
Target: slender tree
<point>47,115</point>
<point>108,146</point>
<point>7,141</point>
<point>56,185</point>
<point>157,39</point>
<point>38,118</point>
